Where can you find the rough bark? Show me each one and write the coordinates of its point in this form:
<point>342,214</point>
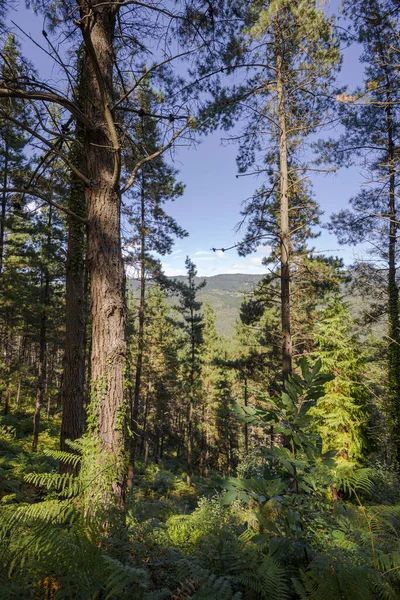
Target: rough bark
<point>73,390</point>
<point>284,226</point>
<point>106,271</point>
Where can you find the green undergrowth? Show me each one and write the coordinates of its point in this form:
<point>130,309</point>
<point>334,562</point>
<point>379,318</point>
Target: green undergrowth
<point>293,524</point>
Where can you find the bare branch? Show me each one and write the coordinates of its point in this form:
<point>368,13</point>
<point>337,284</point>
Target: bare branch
<point>151,157</point>
<point>52,146</point>
<point>46,199</point>
<point>46,97</point>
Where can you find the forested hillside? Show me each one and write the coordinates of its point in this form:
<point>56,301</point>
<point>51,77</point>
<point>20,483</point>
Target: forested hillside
<point>224,294</point>
<point>234,437</point>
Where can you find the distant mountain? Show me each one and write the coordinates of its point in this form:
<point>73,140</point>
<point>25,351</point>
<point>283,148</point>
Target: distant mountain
<point>224,293</point>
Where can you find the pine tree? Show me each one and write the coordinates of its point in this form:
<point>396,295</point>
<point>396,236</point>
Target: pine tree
<point>192,328</point>
<point>371,118</point>
<point>111,60</point>
<point>293,56</point>
<point>153,229</point>
<point>13,138</point>
<point>341,417</point>
<point>218,443</point>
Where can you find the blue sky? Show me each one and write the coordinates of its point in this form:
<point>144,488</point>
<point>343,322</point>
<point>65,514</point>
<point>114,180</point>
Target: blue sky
<point>210,208</point>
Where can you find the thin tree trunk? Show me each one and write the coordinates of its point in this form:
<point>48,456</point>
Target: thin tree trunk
<point>139,361</point>
<point>203,446</point>
<point>3,205</point>
<point>146,412</point>
<point>190,407</point>
<point>7,402</point>
<point>393,290</point>
<point>17,399</point>
<point>284,226</point>
<point>246,427</point>
<point>42,367</point>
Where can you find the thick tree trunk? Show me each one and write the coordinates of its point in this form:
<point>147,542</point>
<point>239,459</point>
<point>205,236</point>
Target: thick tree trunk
<point>73,390</point>
<point>108,325</point>
<point>106,270</point>
<point>284,226</point>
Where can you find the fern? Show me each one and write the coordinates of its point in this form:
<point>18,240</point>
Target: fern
<point>330,578</point>
<point>123,578</point>
<point>351,480</point>
<point>56,542</point>
<point>208,586</point>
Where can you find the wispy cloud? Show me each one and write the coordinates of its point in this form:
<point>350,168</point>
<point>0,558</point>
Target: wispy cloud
<point>256,260</point>
<point>171,272</point>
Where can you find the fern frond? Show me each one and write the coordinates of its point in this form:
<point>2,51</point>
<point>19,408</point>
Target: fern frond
<point>350,480</point>
<point>67,458</point>
<point>123,577</point>
<point>66,484</point>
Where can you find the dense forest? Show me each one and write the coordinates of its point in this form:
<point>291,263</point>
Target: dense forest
<point>143,454</point>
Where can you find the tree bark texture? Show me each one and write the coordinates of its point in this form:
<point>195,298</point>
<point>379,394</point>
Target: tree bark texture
<point>106,270</point>
<point>73,390</point>
<point>284,227</point>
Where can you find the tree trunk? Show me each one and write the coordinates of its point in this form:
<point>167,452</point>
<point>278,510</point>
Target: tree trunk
<point>284,226</point>
<point>203,444</point>
<point>393,290</point>
<point>17,400</point>
<point>246,426</point>
<point>73,390</point>
<point>106,270</point>
<point>42,367</point>
<point>139,361</point>
<point>7,402</point>
<point>3,205</point>
<point>146,412</point>
<point>191,403</point>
